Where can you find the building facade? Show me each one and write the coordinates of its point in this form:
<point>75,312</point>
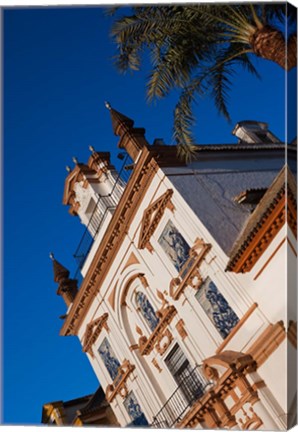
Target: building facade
<point>183,307</point>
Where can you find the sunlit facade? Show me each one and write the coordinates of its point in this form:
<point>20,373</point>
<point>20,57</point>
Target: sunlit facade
<point>183,306</point>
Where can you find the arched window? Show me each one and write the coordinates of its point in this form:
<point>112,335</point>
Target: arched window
<point>147,310</point>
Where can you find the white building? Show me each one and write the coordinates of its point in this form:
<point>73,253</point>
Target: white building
<point>183,309</point>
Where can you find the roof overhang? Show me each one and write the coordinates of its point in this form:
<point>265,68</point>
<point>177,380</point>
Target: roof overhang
<point>277,207</point>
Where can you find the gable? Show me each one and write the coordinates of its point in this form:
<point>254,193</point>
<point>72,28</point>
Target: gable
<point>151,217</point>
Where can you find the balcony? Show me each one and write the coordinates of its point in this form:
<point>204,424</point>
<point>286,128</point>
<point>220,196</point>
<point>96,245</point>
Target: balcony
<point>97,217</point>
<point>191,388</point>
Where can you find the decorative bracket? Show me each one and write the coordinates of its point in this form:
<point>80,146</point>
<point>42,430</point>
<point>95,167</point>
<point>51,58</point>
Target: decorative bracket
<point>151,217</point>
<point>161,337</point>
<point>189,274</point>
<point>93,330</point>
<point>119,384</point>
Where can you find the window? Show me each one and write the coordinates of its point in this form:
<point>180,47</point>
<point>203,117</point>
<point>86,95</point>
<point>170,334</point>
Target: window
<point>174,245</point>
<point>216,307</point>
<point>108,357</point>
<point>188,379</point>
<point>147,310</point>
<point>134,411</point>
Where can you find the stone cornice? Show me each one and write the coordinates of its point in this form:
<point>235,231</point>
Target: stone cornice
<point>128,205</point>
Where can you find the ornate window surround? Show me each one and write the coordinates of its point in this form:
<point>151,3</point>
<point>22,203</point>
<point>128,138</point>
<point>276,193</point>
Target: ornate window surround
<point>119,385</point>
<point>151,217</point>
<point>190,275</point>
<point>161,337</point>
<point>139,283</point>
<point>93,330</point>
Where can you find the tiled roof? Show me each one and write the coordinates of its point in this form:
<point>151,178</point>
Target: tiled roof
<point>262,212</point>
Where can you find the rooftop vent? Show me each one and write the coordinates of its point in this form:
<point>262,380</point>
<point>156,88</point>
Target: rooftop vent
<point>254,132</point>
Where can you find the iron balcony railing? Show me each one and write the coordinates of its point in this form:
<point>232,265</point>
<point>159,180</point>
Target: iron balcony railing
<point>192,387</point>
<point>102,206</point>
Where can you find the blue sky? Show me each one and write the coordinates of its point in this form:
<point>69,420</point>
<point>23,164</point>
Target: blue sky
<point>58,71</point>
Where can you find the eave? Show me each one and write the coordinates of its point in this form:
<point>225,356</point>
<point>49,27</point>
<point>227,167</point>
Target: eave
<point>277,207</point>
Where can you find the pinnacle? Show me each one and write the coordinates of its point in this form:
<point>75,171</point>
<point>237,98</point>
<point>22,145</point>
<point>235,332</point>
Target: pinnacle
<point>120,122</point>
<point>60,272</point>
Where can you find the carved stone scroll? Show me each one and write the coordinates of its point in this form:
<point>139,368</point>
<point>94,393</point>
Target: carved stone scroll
<point>161,337</point>
<point>119,384</point>
<point>189,275</point>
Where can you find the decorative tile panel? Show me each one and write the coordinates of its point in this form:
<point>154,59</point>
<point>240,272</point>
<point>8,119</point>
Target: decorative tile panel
<point>216,307</point>
<point>134,410</point>
<point>108,357</point>
<point>147,310</point>
<point>174,245</point>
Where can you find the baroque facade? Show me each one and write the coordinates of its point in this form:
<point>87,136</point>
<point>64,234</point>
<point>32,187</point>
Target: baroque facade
<point>183,306</point>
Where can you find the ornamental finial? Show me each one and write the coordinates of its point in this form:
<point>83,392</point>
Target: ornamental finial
<point>75,159</point>
<point>68,169</point>
<point>108,105</point>
<point>52,256</point>
<point>91,148</point>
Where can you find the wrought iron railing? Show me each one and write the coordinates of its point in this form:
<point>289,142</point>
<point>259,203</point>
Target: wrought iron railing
<point>192,387</point>
<point>107,202</point>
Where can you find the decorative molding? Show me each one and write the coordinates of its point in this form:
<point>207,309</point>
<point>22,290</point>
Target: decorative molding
<point>261,239</point>
<point>156,365</point>
<point>277,207</point>
<point>119,387</point>
<point>180,326</point>
<point>228,371</point>
<point>252,422</point>
<point>161,337</point>
<point>151,217</point>
<point>93,330</point>
<point>189,275</point>
<point>132,259</point>
<point>143,281</point>
<point>128,205</point>
<point>270,258</point>
<point>112,297</point>
<point>267,342</point>
<point>232,399</point>
<point>164,341</point>
<point>236,328</point>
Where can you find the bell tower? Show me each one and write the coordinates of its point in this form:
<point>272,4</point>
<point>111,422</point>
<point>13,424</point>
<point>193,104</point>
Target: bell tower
<point>93,190</point>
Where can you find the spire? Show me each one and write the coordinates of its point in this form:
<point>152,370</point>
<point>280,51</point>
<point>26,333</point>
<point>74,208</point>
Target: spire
<point>60,272</point>
<point>120,123</point>
<point>67,287</point>
<point>131,139</point>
